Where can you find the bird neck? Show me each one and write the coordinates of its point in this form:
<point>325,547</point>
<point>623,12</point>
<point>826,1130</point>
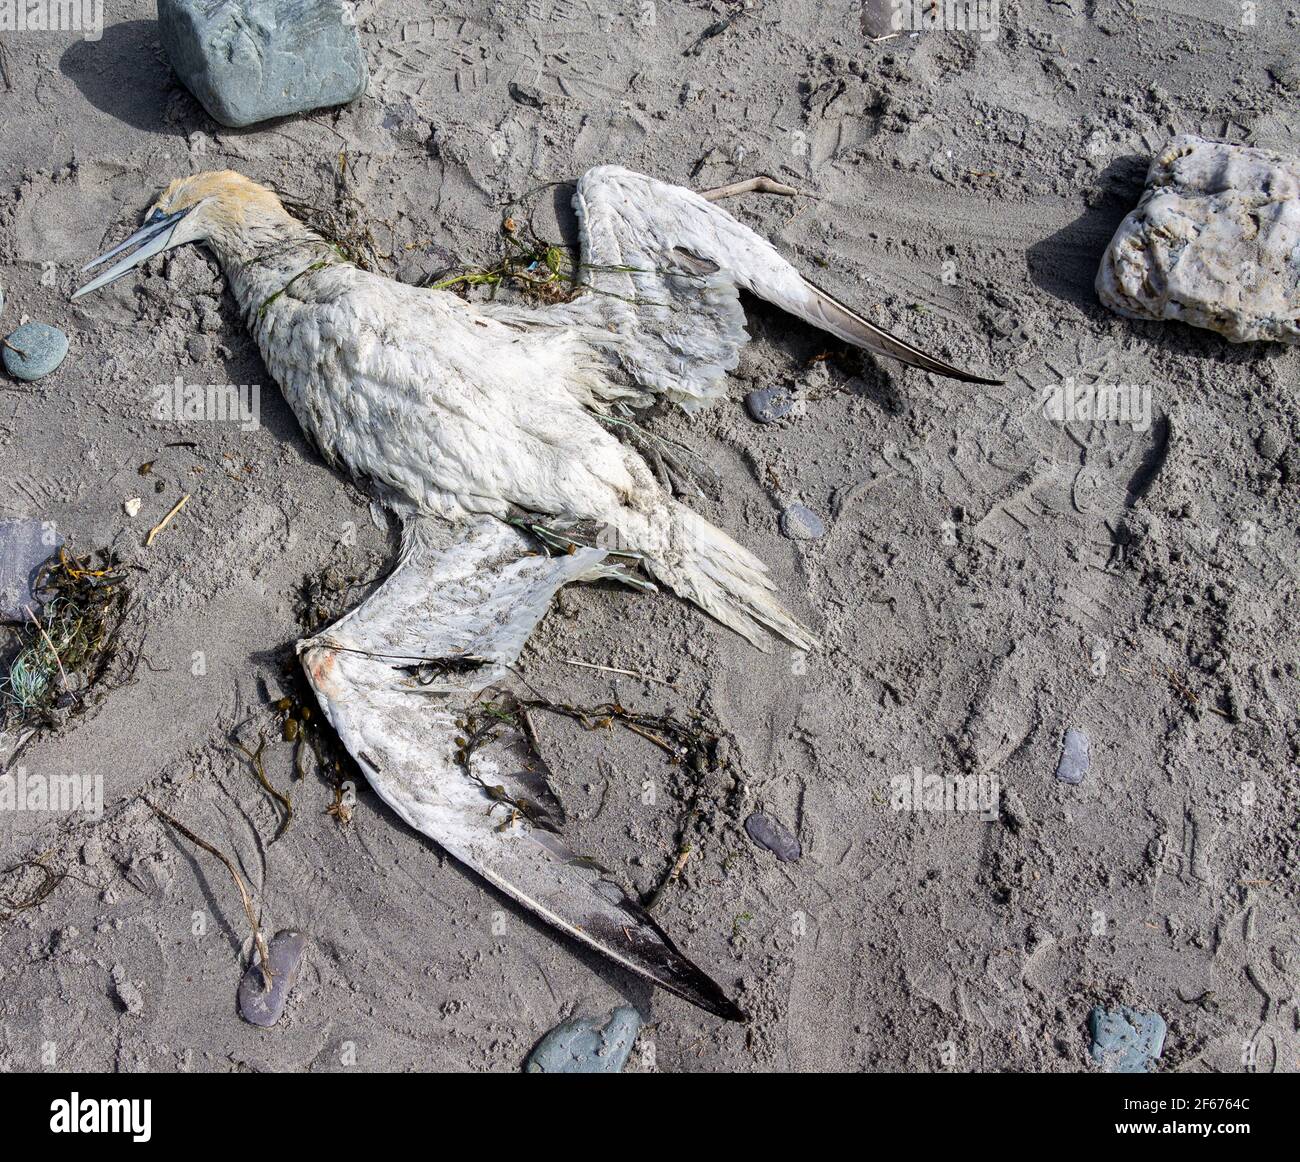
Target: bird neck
<point>260,260</point>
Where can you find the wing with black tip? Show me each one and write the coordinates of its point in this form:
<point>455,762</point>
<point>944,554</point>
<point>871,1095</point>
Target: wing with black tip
<point>404,680</point>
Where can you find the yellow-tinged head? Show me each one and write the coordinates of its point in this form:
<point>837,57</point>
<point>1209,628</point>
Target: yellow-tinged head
<point>219,196</point>
<point>224,208</point>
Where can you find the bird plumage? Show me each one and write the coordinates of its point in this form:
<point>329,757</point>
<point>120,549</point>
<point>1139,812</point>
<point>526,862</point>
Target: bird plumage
<point>468,415</point>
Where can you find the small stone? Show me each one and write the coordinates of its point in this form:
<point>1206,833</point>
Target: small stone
<point>1074,757</point>
<point>34,350</point>
<point>131,506</point>
<point>1126,1040</point>
<point>773,835</point>
<point>526,95</point>
<point>587,1044</point>
<point>1214,242</point>
<point>800,523</point>
<point>259,1005</point>
<point>250,60</point>
<point>769,404</point>
<point>126,991</point>
<point>25,545</point>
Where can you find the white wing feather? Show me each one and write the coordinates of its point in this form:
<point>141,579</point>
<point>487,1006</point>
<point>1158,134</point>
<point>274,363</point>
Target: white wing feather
<point>396,679</point>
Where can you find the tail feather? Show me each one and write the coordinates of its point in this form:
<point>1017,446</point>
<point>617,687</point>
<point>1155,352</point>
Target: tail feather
<point>704,565</point>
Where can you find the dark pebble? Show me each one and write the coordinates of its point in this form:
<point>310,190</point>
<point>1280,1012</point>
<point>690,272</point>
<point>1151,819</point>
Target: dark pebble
<point>259,1006</point>
<point>769,404</point>
<point>772,834</point>
<point>800,523</point>
<point>1074,757</point>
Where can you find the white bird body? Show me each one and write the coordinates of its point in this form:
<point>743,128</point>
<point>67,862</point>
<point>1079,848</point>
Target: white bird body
<point>466,416</point>
<point>456,410</point>
<point>453,411</point>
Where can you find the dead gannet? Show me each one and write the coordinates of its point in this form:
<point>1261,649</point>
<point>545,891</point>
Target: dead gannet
<point>469,418</point>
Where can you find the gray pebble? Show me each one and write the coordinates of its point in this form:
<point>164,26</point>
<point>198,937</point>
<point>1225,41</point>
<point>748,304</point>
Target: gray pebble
<point>769,404</point>
<point>587,1044</point>
<point>260,1006</point>
<point>34,350</point>
<point>800,523</point>
<point>773,835</point>
<point>251,60</point>
<point>1074,757</point>
<point>1126,1040</point>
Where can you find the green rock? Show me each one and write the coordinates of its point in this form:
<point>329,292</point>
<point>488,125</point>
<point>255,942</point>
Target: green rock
<point>252,60</point>
<point>1126,1040</point>
<point>587,1044</point>
<point>34,350</point>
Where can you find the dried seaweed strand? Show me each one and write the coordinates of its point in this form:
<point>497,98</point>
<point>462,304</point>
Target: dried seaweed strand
<point>258,940</point>
<point>48,884</point>
<point>258,765</point>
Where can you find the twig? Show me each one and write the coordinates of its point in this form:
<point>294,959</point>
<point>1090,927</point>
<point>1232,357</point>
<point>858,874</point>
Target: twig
<point>162,524</point>
<point>616,670</point>
<point>673,873</point>
<point>249,911</point>
<point>759,185</point>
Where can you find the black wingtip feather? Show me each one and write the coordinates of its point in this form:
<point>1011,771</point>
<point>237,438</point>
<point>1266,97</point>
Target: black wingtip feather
<point>853,328</point>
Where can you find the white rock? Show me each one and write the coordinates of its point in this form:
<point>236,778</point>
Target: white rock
<point>1214,242</point>
<point>132,506</point>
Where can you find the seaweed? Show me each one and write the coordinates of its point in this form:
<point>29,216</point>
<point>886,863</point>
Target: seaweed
<point>71,647</point>
<point>689,745</point>
<point>539,269</point>
<point>341,222</point>
<point>10,905</point>
<point>245,896</point>
<point>255,761</point>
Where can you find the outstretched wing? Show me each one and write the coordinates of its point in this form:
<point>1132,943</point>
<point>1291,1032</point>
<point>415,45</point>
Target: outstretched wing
<point>402,679</point>
<point>666,263</point>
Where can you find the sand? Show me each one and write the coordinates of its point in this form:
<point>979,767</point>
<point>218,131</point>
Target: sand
<point>991,576</point>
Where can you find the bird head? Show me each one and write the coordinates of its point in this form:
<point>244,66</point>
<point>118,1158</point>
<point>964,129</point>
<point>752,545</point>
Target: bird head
<point>221,207</point>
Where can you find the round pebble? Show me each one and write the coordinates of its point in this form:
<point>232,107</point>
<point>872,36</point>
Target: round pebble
<point>34,350</point>
<point>800,523</point>
<point>769,404</point>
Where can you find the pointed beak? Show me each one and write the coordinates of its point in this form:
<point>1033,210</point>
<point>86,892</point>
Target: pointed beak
<point>152,238</point>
